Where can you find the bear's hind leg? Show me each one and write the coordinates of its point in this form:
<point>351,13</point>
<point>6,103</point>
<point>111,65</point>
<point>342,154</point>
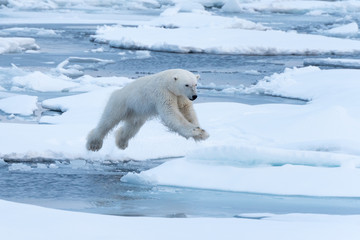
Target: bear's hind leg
<point>109,119</point>
<point>127,131</point>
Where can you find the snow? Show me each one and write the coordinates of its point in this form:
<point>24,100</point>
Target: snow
<point>75,225</point>
<point>58,80</point>
<point>11,45</point>
<point>348,29</point>
<point>202,20</point>
<point>291,6</point>
<point>76,70</point>
<point>21,104</point>
<point>287,179</point>
<point>33,32</point>
<point>39,81</point>
<point>333,62</point>
<point>221,41</point>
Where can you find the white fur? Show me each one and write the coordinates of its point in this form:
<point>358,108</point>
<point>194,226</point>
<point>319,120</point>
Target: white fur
<point>167,94</point>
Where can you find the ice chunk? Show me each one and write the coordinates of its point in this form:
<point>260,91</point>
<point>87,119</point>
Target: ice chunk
<point>41,82</point>
<point>203,20</point>
<point>31,32</point>
<point>332,62</point>
<point>348,29</point>
<point>221,41</point>
<point>75,70</point>
<point>20,104</point>
<point>11,45</point>
<point>285,180</point>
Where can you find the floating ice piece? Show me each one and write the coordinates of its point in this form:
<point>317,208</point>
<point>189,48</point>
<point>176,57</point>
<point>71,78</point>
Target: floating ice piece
<point>29,32</point>
<point>284,180</point>
<point>41,82</point>
<point>75,71</point>
<point>345,30</point>
<point>290,6</point>
<point>223,41</point>
<point>202,20</point>
<point>331,62</point>
<point>141,54</point>
<point>11,45</point>
<point>20,104</point>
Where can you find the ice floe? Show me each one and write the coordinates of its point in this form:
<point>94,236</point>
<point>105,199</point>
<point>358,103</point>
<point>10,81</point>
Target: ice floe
<point>344,30</point>
<point>29,32</point>
<point>333,62</point>
<point>79,64</point>
<point>11,45</point>
<point>222,41</point>
<point>19,104</point>
<point>201,20</point>
<point>41,82</point>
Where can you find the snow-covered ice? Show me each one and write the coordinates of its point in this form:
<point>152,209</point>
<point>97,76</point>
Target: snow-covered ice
<point>11,45</point>
<point>42,223</point>
<point>222,41</point>
<point>20,104</point>
<point>333,62</point>
<point>32,32</point>
<point>345,30</point>
<point>75,70</point>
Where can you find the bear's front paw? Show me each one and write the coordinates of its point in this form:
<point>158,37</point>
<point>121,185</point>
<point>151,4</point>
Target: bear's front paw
<point>200,134</point>
<point>94,145</point>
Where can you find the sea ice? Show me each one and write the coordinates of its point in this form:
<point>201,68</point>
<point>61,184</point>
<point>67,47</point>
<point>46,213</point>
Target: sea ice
<point>222,41</point>
<point>29,32</point>
<point>11,45</point>
<point>20,104</point>
<point>344,30</point>
<point>41,82</point>
<point>76,70</point>
<point>333,62</point>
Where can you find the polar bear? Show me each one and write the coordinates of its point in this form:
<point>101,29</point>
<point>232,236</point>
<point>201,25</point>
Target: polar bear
<point>168,94</point>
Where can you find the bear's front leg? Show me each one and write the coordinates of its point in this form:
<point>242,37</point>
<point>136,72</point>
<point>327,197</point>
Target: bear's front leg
<point>128,131</point>
<point>175,121</point>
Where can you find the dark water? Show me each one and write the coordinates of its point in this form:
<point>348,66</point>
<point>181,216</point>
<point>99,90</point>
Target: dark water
<point>81,185</point>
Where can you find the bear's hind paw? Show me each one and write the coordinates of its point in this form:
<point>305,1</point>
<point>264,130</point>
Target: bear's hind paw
<point>122,144</point>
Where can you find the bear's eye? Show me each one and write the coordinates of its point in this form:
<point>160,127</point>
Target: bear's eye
<point>186,85</point>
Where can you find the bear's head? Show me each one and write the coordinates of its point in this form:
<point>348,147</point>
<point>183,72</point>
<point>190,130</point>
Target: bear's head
<point>184,83</point>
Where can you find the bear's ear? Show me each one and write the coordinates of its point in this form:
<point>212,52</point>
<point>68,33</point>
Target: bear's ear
<point>197,77</point>
<point>175,78</point>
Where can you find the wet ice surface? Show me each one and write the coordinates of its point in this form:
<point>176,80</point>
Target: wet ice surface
<point>83,185</point>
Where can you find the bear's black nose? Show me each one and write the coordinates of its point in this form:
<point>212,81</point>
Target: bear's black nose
<point>193,97</point>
